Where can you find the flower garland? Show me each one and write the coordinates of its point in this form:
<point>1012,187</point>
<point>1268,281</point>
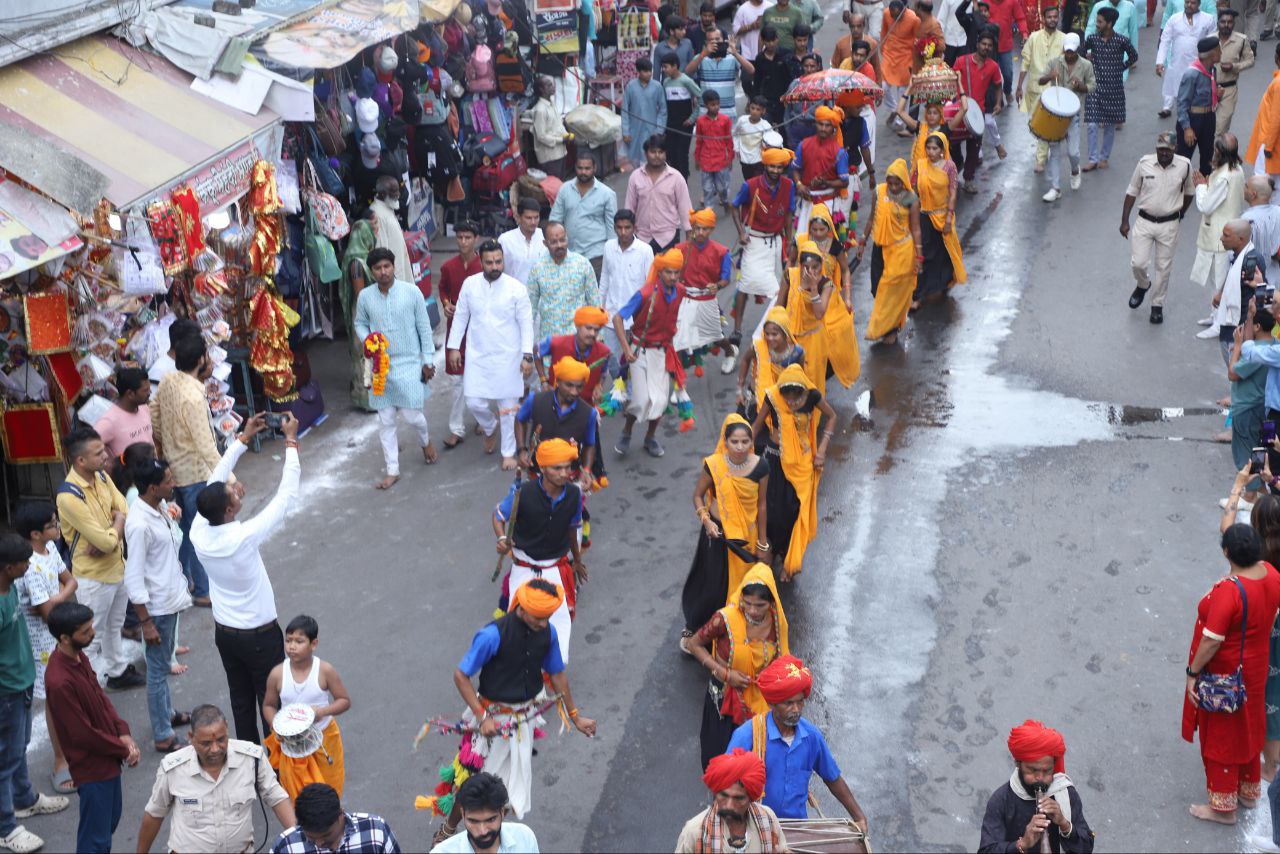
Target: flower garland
<point>375,348</point>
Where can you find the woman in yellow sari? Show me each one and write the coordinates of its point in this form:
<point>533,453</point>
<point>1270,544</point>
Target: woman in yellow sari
<point>729,501</point>
<point>933,121</point>
<point>835,263</point>
<point>894,230</point>
<point>739,641</point>
<point>791,412</point>
<point>775,350</point>
<point>820,320</point>
<point>935,181</point>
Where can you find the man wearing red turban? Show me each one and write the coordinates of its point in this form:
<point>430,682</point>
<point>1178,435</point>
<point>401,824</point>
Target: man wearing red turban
<point>707,267</point>
<point>583,345</point>
<point>793,748</point>
<point>1038,799</point>
<point>734,821</point>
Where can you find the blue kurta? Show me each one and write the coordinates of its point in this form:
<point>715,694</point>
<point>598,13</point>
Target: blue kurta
<point>400,315</point>
<point>1126,24</point>
<point>644,113</point>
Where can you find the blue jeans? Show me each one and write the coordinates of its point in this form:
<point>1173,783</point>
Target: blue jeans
<point>16,792</point>
<point>1005,60</point>
<point>100,807</point>
<point>1107,132</point>
<point>1273,796</point>
<point>191,566</point>
<point>159,655</point>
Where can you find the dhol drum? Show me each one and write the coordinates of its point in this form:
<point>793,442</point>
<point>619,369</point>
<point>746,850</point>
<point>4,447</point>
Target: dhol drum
<point>1054,113</point>
<point>974,120</point>
<point>824,836</point>
<point>295,726</point>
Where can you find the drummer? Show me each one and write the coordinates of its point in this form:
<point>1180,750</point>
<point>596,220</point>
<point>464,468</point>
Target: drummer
<point>1074,72</point>
<point>1041,48</point>
<point>978,74</point>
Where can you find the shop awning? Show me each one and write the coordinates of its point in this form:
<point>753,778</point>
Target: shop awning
<point>33,229</point>
<point>133,118</point>
<point>336,33</point>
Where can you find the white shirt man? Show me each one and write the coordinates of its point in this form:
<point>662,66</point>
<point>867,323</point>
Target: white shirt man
<point>152,573</point>
<point>520,253</point>
<point>1178,50</point>
<point>622,274</point>
<point>953,31</point>
<point>748,14</point>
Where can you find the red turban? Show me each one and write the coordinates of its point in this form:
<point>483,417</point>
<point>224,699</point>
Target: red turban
<point>1033,740</point>
<point>785,677</point>
<point>740,766</point>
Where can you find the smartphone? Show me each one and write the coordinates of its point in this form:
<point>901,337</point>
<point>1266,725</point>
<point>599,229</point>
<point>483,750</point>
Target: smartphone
<point>1257,459</point>
<point>274,420</point>
<point>1268,434</point>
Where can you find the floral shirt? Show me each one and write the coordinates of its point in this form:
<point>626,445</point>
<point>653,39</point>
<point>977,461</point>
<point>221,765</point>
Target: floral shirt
<point>556,291</point>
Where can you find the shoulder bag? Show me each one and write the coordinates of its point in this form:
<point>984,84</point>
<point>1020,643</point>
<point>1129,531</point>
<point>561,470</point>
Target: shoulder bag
<point>1224,692</point>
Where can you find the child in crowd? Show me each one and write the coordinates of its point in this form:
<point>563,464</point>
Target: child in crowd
<point>748,134</point>
<point>46,583</point>
<point>304,678</point>
<point>682,96</point>
<point>714,151</point>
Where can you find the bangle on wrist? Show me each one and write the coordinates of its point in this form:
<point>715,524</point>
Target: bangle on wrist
<point>289,443</point>
<point>573,714</point>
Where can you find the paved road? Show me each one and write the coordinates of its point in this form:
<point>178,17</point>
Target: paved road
<point>1002,539</point>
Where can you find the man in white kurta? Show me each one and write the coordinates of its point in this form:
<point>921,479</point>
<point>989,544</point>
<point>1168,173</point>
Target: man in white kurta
<point>387,227</point>
<point>494,314</point>
<point>1178,49</point>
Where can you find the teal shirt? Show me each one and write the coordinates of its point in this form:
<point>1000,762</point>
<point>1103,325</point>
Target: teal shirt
<point>1250,390</point>
<point>17,666</point>
<point>587,218</point>
<point>402,317</point>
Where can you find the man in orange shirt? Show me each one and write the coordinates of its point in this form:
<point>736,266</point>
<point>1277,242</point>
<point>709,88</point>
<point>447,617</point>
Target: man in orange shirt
<point>897,47</point>
<point>857,22</point>
<point>930,27</point>
<point>1264,140</point>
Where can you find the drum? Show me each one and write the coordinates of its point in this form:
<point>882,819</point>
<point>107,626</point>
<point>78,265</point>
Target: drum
<point>1054,113</point>
<point>974,120</point>
<point>824,835</point>
<point>295,726</point>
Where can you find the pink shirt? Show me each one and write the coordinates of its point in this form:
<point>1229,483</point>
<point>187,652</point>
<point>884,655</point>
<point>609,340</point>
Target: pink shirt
<point>120,429</point>
<point>661,207</point>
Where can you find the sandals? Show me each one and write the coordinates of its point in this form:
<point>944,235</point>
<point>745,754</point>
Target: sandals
<point>180,719</point>
<point>61,781</point>
<point>452,442</point>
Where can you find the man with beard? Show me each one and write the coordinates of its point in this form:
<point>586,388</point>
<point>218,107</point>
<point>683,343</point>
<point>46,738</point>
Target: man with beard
<point>792,747</point>
<point>494,315</point>
<point>483,800</point>
<point>1039,798</point>
<point>763,213</point>
<point>223,775</point>
<point>1162,190</point>
<point>559,284</point>
<point>1237,56</point>
<point>979,78</point>
<point>583,345</point>
<point>735,821</point>
<point>323,825</point>
<point>556,414</point>
<point>822,168</point>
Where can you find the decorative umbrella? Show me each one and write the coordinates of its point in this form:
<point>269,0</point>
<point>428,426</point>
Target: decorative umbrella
<point>847,88</point>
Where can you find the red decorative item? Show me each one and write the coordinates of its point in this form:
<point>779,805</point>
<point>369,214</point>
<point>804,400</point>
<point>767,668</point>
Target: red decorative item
<point>47,316</point>
<point>30,434</point>
<point>168,233</point>
<point>66,376</point>
<point>269,353</point>
<point>265,205</point>
<point>187,209</point>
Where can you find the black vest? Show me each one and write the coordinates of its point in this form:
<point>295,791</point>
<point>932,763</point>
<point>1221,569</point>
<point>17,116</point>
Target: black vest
<point>514,674</point>
<point>555,426</point>
<point>541,531</point>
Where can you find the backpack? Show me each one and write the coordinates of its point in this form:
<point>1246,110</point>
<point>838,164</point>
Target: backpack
<point>511,71</point>
<point>480,73</point>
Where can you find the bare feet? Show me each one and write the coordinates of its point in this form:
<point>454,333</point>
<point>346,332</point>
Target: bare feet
<point>1038,168</point>
<point>1204,813</point>
<point>1248,803</point>
<point>181,650</point>
<point>177,669</point>
<point>1224,436</point>
<point>452,442</point>
<point>508,463</point>
<point>1225,401</point>
<point>1002,152</point>
<point>387,482</point>
<point>491,443</point>
<point>430,454</point>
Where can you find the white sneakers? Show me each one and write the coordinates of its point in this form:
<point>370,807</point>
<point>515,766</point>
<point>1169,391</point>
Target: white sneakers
<point>44,805</point>
<point>1053,195</point>
<point>1075,181</point>
<point>1211,332</point>
<point>21,841</point>
<point>730,360</point>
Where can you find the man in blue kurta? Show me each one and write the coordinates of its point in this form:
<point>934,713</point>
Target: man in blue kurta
<point>397,311</point>
<point>644,112</point>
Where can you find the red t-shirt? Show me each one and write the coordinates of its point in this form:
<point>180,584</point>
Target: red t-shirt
<point>976,82</point>
<point>1004,13</point>
<point>452,274</point>
<point>714,149</point>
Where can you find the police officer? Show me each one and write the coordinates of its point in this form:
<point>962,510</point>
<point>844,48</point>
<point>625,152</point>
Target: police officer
<point>210,786</point>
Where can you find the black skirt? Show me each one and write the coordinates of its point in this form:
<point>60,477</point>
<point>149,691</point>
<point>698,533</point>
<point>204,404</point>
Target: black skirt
<point>716,731</point>
<point>938,273</point>
<point>707,587</point>
<point>782,503</point>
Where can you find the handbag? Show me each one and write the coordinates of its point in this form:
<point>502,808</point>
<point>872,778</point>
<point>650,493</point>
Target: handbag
<point>321,258</point>
<point>329,129</point>
<point>330,218</point>
<point>1224,692</point>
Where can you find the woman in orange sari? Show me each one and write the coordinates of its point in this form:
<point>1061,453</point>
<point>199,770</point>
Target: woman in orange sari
<point>729,501</point>
<point>820,320</point>
<point>740,640</point>
<point>893,229</point>
<point>935,181</point>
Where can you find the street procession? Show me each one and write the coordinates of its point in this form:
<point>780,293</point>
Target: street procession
<point>637,425</point>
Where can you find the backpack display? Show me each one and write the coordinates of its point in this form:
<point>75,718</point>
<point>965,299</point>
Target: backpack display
<point>511,71</point>
<point>480,73</point>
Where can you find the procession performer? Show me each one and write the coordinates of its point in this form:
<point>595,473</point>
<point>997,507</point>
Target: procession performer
<point>1038,798</point>
<point>736,820</point>
<point>893,230</point>
<point>738,642</point>
<point>729,501</point>
<point>935,181</point>
<point>763,212</point>
<point>1042,47</point>
<point>773,352</point>
<point>833,244</point>
<point>1179,47</point>
<point>822,169</point>
<point>648,352</point>
<point>583,345</point>
<point>707,265</point>
<point>510,654</point>
<point>820,320</point>
<point>543,536</point>
<point>788,742</point>
<point>796,459</point>
<point>561,412</point>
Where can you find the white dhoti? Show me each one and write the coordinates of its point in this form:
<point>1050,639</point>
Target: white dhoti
<point>523,570</point>
<point>1210,268</point>
<point>761,271</point>
<point>834,203</point>
<point>699,322</point>
<point>510,758</point>
<point>650,384</point>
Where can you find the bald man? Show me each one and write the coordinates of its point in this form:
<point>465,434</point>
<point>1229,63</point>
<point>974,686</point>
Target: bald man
<point>1232,299</point>
<point>559,284</point>
<point>1265,219</point>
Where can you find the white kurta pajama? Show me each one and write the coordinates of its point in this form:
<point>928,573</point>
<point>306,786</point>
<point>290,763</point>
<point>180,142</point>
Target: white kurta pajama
<point>1178,50</point>
<point>1219,202</point>
<point>497,320</point>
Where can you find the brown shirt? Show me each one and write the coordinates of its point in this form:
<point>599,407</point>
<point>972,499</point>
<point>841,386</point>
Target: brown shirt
<point>1160,190</point>
<point>1237,52</point>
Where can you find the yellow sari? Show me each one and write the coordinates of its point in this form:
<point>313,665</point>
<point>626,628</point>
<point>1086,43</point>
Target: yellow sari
<point>891,232</point>
<point>826,339</point>
<point>797,439</point>
<point>933,185</point>
<point>751,657</point>
<point>766,369</point>
<point>831,268</point>
<point>736,501</point>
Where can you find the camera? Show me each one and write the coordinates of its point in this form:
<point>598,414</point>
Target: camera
<point>1268,434</point>
<point>274,420</point>
<point>1257,459</point>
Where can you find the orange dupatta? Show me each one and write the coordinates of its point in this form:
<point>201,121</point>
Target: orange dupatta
<point>933,186</point>
<point>751,657</point>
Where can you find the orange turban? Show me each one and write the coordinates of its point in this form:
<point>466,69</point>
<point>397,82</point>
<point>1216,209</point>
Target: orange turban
<point>590,315</point>
<point>1033,740</point>
<point>672,259</point>
<point>777,156</point>
<point>535,602</point>
<point>785,677</point>
<point>835,115</point>
<point>569,368</point>
<point>740,766</point>
<point>557,452</point>
<point>705,217</point>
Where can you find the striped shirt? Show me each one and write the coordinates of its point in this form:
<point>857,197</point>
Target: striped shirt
<point>721,76</point>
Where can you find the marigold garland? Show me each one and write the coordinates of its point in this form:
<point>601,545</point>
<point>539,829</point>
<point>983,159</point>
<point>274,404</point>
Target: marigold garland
<point>375,348</point>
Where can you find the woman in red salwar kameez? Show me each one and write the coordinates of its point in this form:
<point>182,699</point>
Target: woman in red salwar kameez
<point>1231,744</point>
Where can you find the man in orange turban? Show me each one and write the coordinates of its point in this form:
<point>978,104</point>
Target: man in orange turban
<point>511,654</point>
<point>821,168</point>
<point>764,213</point>
<point>1038,799</point>
<point>583,345</point>
<point>707,266</point>
<point>735,821</point>
<point>792,747</point>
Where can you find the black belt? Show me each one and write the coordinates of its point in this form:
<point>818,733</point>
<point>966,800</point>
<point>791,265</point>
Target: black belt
<point>1166,218</point>
<point>1222,83</point>
<point>265,627</point>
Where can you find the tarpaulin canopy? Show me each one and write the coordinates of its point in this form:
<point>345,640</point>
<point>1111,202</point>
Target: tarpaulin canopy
<point>337,33</point>
<point>33,229</point>
<point>436,11</point>
<point>133,118</point>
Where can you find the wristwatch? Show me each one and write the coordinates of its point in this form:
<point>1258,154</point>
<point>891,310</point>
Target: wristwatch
<point>1193,674</point>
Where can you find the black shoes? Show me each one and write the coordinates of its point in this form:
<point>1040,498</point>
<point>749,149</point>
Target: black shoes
<point>1136,298</point>
<point>1157,314</point>
<point>130,678</point>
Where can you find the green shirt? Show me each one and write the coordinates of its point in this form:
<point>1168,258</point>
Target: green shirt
<point>784,21</point>
<point>17,667</point>
<point>1249,391</point>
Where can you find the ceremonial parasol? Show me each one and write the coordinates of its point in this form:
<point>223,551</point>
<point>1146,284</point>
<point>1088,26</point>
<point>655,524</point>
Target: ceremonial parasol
<point>847,88</point>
